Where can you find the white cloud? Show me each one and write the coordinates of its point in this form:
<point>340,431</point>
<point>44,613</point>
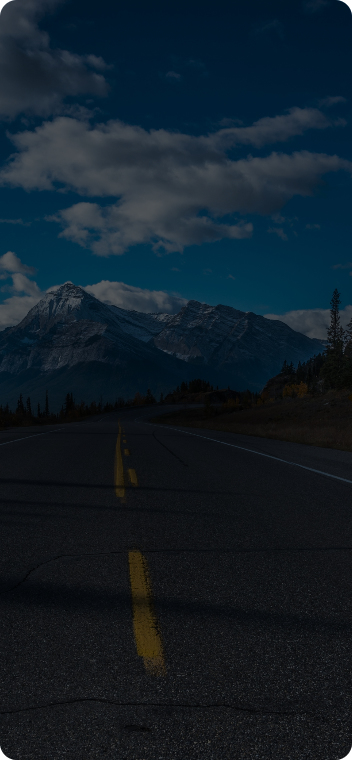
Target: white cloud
<point>15,308</point>
<point>314,6</point>
<point>25,293</point>
<point>348,265</point>
<point>332,101</point>
<point>15,221</point>
<point>171,189</point>
<point>173,75</point>
<point>311,322</point>
<point>139,299</point>
<point>34,77</point>
<point>9,262</point>
<point>279,232</point>
<point>22,284</point>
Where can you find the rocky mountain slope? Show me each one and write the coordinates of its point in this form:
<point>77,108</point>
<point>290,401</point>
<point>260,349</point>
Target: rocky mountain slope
<point>72,341</point>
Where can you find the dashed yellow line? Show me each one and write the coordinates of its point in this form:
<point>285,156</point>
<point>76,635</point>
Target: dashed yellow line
<point>133,476</point>
<point>145,626</point>
<point>119,474</point>
<point>127,452</point>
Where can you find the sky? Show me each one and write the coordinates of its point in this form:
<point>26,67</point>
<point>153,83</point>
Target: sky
<point>159,152</point>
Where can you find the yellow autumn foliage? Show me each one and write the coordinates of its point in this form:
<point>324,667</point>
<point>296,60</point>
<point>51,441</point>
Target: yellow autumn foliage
<point>296,389</point>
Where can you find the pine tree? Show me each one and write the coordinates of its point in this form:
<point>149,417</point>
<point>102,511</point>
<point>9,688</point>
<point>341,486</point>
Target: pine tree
<point>69,403</point>
<point>20,405</point>
<point>38,412</point>
<point>335,331</point>
<point>28,407</point>
<point>347,374</point>
<point>333,367</point>
<point>348,340</point>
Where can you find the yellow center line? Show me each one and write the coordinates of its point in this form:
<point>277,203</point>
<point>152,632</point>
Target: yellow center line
<point>145,625</point>
<point>127,452</point>
<point>119,474</point>
<point>133,476</point>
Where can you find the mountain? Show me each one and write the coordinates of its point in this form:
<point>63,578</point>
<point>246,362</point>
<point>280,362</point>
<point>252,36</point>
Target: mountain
<point>236,343</point>
<point>71,341</point>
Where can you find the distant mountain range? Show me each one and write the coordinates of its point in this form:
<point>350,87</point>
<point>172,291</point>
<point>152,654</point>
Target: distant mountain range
<point>71,341</point>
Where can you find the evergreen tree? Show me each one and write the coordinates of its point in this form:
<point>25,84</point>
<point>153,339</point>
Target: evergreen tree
<point>333,368</point>
<point>335,331</point>
<point>28,407</point>
<point>348,340</point>
<point>347,374</point>
<point>46,412</point>
<point>20,406</point>
<point>69,403</point>
<point>38,412</point>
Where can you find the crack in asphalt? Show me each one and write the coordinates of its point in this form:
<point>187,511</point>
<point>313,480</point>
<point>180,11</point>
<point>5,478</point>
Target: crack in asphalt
<point>188,705</point>
<point>170,450</point>
<point>175,551</point>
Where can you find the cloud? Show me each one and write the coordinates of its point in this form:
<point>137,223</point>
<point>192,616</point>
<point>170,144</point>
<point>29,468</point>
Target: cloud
<point>343,266</point>
<point>15,308</point>
<point>25,293</point>
<point>10,263</point>
<point>332,101</point>
<point>278,219</point>
<point>15,221</point>
<point>279,232</point>
<point>173,75</point>
<point>313,226</point>
<point>311,322</point>
<point>314,6</point>
<point>35,78</point>
<point>171,189</point>
<point>138,299</point>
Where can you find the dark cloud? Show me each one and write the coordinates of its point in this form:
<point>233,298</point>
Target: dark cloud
<point>34,77</point>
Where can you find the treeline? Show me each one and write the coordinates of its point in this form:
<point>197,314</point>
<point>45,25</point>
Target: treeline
<point>186,389</point>
<point>332,369</point>
<point>201,391</point>
<point>70,411</point>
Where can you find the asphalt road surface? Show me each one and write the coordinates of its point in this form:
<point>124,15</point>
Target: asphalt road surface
<point>167,596</point>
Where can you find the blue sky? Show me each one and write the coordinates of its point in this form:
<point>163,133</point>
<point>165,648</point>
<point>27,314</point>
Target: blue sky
<point>167,151</point>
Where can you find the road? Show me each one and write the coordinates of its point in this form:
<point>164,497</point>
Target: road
<point>167,596</point>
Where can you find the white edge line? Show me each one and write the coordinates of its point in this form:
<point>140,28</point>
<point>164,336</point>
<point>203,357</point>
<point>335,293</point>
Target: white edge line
<point>25,438</point>
<point>251,451</point>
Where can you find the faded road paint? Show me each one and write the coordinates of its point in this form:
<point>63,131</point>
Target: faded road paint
<point>145,626</point>
<point>133,476</point>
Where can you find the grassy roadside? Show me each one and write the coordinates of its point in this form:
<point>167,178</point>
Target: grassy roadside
<point>324,421</point>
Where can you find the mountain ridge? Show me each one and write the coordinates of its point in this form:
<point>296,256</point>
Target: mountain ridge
<point>70,328</point>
